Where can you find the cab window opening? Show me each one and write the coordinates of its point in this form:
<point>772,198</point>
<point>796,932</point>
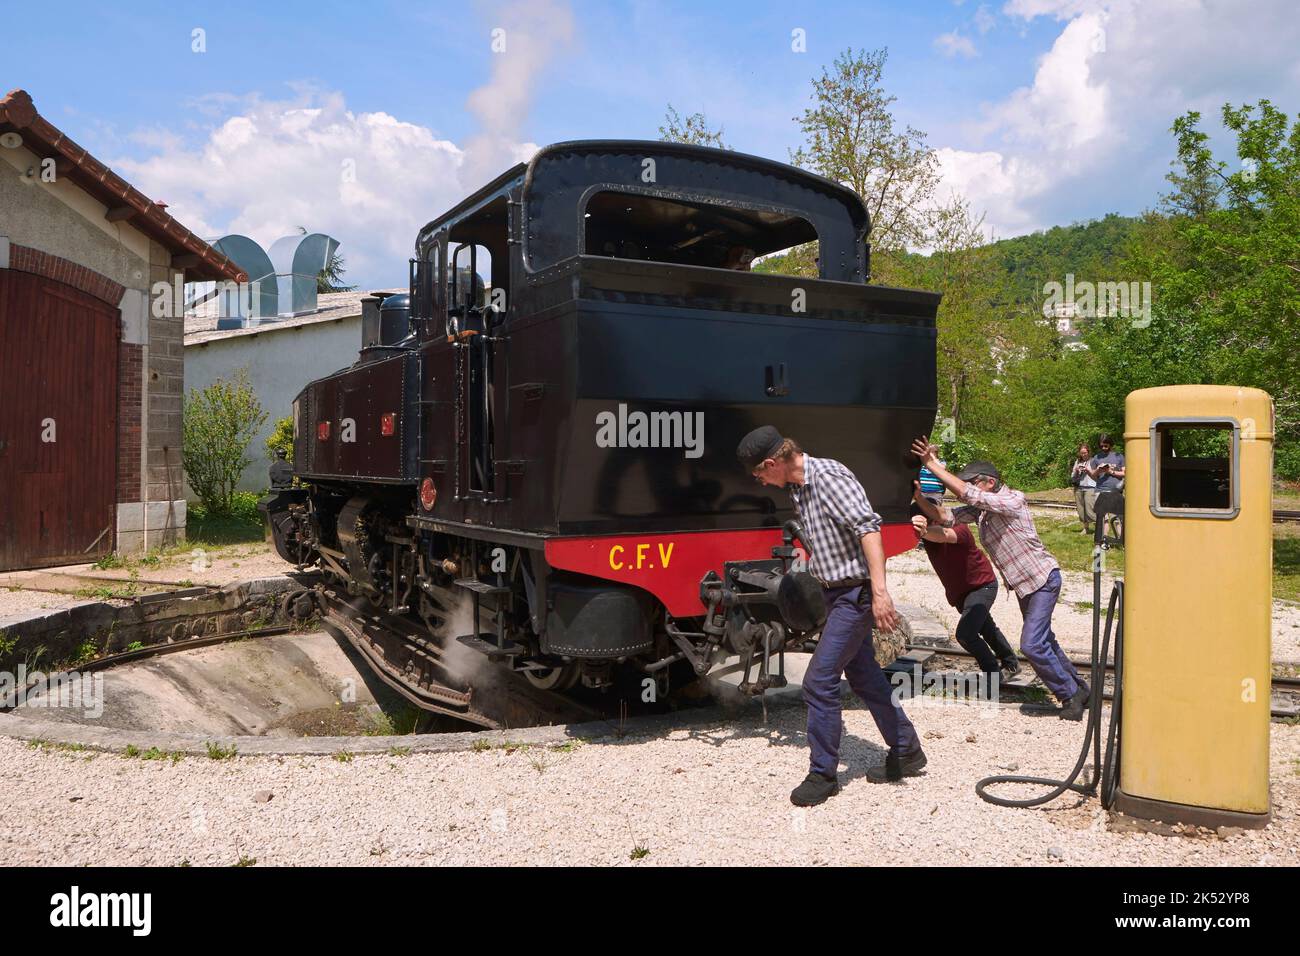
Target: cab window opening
<point>478,264</point>
<point>634,226</point>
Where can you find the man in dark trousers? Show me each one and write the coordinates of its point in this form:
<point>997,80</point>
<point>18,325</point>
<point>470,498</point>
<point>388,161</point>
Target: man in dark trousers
<point>1007,530</point>
<point>970,586</point>
<point>842,534</point>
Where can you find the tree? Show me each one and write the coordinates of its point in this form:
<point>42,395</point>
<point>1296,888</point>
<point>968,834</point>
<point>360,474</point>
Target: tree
<point>693,130</point>
<point>971,337</point>
<point>1200,183</point>
<point>281,438</point>
<point>851,138</point>
<point>1227,282</point>
<point>218,424</point>
<point>330,279</point>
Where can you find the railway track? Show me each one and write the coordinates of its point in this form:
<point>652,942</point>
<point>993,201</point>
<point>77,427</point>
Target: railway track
<point>443,677</point>
<point>1284,705</point>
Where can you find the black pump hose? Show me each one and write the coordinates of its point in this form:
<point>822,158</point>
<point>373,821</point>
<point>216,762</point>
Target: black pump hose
<point>1109,767</point>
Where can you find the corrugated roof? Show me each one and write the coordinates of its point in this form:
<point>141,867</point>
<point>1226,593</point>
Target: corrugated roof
<point>201,326</point>
<point>199,260</point>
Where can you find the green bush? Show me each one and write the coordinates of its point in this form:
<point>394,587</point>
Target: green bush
<point>219,423</point>
<point>1286,460</point>
<point>281,438</point>
<point>962,450</point>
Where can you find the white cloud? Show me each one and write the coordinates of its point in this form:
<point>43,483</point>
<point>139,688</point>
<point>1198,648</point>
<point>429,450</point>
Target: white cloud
<point>526,34</point>
<point>954,44</point>
<point>984,19</point>
<point>1002,187</point>
<point>370,180</point>
<point>1090,132</point>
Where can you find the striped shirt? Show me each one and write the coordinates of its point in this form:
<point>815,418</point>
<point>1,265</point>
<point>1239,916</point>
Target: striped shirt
<point>930,485</point>
<point>834,513</point>
<point>1008,535</point>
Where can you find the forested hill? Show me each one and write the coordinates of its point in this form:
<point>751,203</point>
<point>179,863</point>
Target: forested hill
<point>1090,250</point>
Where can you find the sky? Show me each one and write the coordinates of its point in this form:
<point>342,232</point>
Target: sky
<point>367,120</point>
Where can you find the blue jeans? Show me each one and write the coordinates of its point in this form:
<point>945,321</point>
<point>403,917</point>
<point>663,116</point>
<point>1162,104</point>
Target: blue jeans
<point>845,648</point>
<point>1039,643</point>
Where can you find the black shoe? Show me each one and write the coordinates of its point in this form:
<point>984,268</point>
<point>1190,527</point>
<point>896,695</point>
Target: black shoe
<point>895,768</point>
<point>1074,708</point>
<point>1010,668</point>
<point>815,789</point>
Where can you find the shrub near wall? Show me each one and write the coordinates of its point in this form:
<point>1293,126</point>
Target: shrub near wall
<point>220,422</point>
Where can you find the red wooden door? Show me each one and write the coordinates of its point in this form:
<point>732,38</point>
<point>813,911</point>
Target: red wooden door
<point>58,423</point>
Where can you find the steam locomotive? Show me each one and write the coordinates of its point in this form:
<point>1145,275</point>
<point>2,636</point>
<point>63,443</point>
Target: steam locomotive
<point>546,423</point>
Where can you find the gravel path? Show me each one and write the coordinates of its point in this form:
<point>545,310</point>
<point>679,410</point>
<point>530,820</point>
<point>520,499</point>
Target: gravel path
<point>706,795</point>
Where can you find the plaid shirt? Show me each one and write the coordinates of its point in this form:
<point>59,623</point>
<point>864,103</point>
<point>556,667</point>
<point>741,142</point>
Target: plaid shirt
<point>834,513</point>
<point>1008,534</point>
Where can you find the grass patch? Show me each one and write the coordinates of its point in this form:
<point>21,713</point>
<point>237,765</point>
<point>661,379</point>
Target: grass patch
<point>242,524</point>
<point>639,852</point>
<point>153,753</point>
<point>1286,561</point>
<point>398,724</point>
<point>1036,695</point>
<point>343,756</point>
<point>509,746</point>
<point>1074,550</point>
<point>399,751</point>
<point>109,562</point>
<point>52,746</point>
<point>218,752</point>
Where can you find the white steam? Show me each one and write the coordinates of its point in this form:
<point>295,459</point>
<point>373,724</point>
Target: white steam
<point>525,36</point>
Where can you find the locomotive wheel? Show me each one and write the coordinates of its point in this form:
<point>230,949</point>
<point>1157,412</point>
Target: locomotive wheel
<point>555,678</point>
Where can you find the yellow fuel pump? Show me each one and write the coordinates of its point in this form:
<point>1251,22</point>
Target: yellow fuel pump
<point>1198,597</point>
<point>1188,738</point>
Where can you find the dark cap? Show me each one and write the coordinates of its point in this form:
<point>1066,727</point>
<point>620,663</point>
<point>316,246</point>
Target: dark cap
<point>759,445</point>
<point>977,468</point>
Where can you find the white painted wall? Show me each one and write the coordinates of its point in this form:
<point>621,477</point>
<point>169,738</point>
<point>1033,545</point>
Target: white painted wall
<point>280,361</point>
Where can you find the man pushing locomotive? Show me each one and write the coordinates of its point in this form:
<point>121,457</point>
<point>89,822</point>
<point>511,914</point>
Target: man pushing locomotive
<point>1007,531</point>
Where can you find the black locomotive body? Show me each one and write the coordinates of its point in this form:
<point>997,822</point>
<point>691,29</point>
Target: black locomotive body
<point>558,443</point>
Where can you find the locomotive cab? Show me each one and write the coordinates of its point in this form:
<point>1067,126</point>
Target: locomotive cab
<point>554,440</point>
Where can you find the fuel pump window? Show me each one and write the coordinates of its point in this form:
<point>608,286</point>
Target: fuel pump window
<point>1195,469</point>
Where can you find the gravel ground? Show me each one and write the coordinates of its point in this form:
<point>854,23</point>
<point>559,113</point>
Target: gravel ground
<point>705,795</point>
